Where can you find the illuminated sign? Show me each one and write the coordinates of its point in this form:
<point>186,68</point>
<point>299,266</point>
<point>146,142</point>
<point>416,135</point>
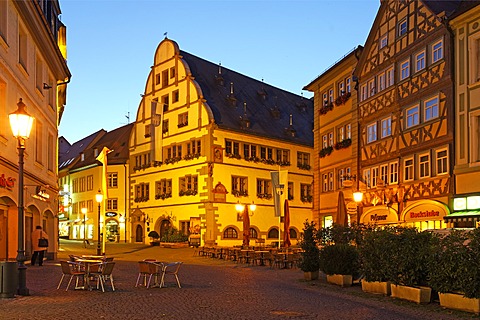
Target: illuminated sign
<point>378,217</point>
<point>111,214</point>
<point>424,214</point>
<point>7,182</point>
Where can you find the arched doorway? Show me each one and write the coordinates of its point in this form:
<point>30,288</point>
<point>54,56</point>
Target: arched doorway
<point>164,226</point>
<point>139,233</point>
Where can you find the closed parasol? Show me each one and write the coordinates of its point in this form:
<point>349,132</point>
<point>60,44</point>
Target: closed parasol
<point>246,227</point>
<point>342,218</point>
<point>286,233</point>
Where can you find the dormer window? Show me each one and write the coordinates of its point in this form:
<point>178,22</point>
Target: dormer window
<point>82,156</point>
<point>95,152</point>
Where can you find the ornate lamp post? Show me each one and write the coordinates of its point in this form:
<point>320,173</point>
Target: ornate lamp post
<point>241,208</point>
<point>99,199</point>
<point>358,197</point>
<point>21,123</point>
<point>84,211</point>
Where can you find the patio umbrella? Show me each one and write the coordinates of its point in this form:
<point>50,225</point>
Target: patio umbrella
<point>342,218</point>
<point>286,232</point>
<point>246,227</point>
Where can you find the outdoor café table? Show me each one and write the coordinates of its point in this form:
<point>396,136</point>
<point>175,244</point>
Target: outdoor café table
<point>284,258</point>
<point>88,263</point>
<point>247,254</point>
<point>262,256</point>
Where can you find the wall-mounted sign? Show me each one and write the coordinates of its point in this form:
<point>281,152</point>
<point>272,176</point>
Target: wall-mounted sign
<point>110,214</point>
<point>7,182</point>
<point>379,215</point>
<point>425,210</point>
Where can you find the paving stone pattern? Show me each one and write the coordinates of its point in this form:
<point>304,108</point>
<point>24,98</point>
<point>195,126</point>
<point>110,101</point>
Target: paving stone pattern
<point>211,289</point>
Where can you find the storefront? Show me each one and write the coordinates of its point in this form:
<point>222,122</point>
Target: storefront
<point>425,215</point>
<point>379,215</point>
<point>466,212</point>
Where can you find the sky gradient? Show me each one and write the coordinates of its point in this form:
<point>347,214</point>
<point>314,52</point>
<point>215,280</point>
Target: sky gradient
<point>111,44</point>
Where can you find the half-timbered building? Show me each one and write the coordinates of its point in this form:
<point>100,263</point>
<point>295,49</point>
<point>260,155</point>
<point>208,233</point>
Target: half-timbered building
<point>406,115</point>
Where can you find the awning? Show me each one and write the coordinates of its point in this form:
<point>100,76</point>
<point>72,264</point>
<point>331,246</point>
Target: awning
<point>464,216</point>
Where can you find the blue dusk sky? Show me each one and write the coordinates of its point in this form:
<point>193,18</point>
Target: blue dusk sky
<point>111,44</point>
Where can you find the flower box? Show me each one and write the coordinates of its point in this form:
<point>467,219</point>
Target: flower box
<point>414,294</point>
<point>376,287</point>
<point>340,279</point>
<point>459,302</point>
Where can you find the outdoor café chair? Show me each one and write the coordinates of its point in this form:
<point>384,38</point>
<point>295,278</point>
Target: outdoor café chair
<point>170,269</point>
<point>146,269</point>
<point>70,269</point>
<point>104,274</point>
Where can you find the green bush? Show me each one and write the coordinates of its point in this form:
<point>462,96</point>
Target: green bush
<point>339,259</point>
<point>173,235</point>
<point>310,261</point>
<point>454,266</point>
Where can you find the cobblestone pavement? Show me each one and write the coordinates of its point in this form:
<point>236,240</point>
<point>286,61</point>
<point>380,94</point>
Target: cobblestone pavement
<point>211,289</point>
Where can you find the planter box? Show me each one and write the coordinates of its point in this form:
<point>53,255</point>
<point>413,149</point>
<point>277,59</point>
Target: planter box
<point>414,294</point>
<point>311,275</point>
<point>459,302</point>
<point>340,279</point>
<point>376,287</point>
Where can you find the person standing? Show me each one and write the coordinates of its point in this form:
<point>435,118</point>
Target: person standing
<point>38,251</point>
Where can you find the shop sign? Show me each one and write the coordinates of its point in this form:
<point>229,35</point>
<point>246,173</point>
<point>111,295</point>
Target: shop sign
<point>111,214</point>
<point>424,214</point>
<point>379,215</point>
<point>7,182</point>
<point>425,210</point>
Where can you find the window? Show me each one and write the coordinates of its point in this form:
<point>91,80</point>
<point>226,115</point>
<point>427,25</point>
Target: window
<point>375,175</point>
<point>474,57</point>
<point>386,127</point>
<point>283,156</point>
<point>81,184</point>
<point>437,51</point>
<point>341,88</point>
<point>163,188</point>
<point>424,165</point>
<point>366,177</point>
<point>383,41</point>
<point>23,49</point>
<point>330,139</point>
<point>175,96</point>
<point>393,172</point>
<point>420,61</point>
<point>324,141</point>
<point>253,233</point>
<point>90,183</point>
<point>341,134</point>
<point>431,109</point>
<point>371,87</point>
<point>330,95</point>
<point>340,177</point>
<point>165,126</point>
<point>325,182</point>
<point>348,128</point>
<point>264,188</point>
<point>165,102</point>
<point>112,179</point>
<point>290,191</point>
<point>164,78</point>
<point>39,74</point>
<point>408,170</point>
<point>188,185</point>
<point>331,181</point>
<point>273,233</point>
<point>303,160</point>
<point>402,27</point>
<point>306,192</point>
<point>442,161</point>
<point>230,233</point>
<point>148,132</point>
<point>182,119</point>
<point>142,192</point>
<point>390,77</point>
<point>172,72</point>
<point>363,92</point>
<point>412,116</point>
<point>249,151</point>
<point>348,84</point>
<point>381,82</point>
<point>194,147</point>
<point>38,142</point>
<point>372,132</point>
<point>112,204</point>
<point>384,173</point>
<point>232,148</point>
<point>404,70</point>
<point>239,186</point>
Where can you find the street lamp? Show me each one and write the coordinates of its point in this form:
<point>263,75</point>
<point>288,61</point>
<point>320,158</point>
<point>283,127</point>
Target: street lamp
<point>358,197</point>
<point>21,123</point>
<point>84,211</point>
<point>241,208</point>
<point>99,199</point>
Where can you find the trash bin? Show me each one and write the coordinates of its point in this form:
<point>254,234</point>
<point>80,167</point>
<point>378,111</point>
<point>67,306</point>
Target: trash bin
<point>8,279</point>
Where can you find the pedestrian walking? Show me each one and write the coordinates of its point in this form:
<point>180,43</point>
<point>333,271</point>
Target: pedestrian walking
<point>39,245</point>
